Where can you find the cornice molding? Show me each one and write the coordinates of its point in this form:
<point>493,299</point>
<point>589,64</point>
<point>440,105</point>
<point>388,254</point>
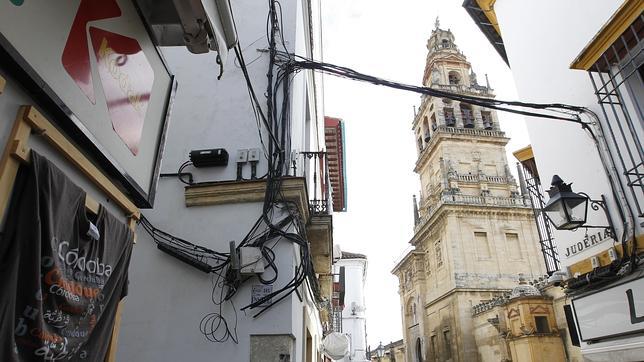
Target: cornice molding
<point>233,192</point>
<point>429,227</point>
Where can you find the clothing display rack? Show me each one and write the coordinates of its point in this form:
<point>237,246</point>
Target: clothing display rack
<point>30,121</point>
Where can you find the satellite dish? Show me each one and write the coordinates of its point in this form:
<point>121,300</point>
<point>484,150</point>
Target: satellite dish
<point>335,345</point>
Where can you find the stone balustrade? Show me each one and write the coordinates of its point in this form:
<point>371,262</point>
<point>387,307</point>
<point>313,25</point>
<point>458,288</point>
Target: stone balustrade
<point>461,199</point>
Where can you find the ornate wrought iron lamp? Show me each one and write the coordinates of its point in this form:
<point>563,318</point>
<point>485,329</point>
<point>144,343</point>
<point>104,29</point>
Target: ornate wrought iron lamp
<point>568,210</point>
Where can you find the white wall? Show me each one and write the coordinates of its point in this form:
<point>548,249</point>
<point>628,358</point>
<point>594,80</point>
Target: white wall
<point>168,298</point>
<point>353,319</point>
<point>542,39</point>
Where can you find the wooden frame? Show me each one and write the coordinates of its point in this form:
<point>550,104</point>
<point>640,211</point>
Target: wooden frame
<point>30,121</point>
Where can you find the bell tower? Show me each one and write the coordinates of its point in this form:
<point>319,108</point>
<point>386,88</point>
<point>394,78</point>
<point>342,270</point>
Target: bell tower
<point>474,232</point>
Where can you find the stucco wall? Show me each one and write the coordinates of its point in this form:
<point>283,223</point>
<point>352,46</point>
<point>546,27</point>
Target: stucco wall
<point>540,62</point>
<point>169,298</point>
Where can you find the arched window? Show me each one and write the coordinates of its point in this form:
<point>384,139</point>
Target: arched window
<point>450,120</point>
<point>419,350</point>
<point>486,117</point>
<point>454,78</point>
<point>426,135</point>
<point>468,116</point>
<point>445,43</point>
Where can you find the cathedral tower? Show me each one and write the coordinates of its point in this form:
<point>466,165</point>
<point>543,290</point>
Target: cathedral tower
<point>474,231</point>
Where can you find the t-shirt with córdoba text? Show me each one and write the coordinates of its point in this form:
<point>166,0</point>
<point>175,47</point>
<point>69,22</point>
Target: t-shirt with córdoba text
<point>59,287</point>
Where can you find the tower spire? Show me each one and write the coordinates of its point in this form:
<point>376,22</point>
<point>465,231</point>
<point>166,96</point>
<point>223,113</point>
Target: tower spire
<point>437,23</point>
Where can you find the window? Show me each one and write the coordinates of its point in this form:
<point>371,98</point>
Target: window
<point>434,126</point>
<point>420,144</point>
<point>434,351</point>
<point>450,120</point>
<point>439,254</point>
<point>448,344</point>
<point>414,316</point>
<point>419,350</point>
<point>541,324</point>
<point>445,43</point>
<point>468,116</point>
<point>454,78</point>
<point>486,117</point>
<point>513,245</point>
<point>482,245</point>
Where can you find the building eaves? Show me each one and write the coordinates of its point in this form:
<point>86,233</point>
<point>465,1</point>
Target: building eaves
<point>348,255</point>
<point>485,19</point>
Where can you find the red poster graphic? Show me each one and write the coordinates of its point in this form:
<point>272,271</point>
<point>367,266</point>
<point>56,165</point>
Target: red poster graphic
<point>127,79</point>
<point>76,53</point>
<point>126,76</point>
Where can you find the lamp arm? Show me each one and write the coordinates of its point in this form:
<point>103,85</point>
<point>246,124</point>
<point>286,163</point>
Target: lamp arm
<point>596,205</point>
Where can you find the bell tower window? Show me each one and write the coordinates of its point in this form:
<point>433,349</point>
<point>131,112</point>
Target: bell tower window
<point>450,120</point>
<point>454,78</point>
<point>486,117</point>
<point>468,116</point>
<point>445,43</point>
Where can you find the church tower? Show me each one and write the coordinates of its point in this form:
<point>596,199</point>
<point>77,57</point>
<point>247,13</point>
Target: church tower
<point>474,231</point>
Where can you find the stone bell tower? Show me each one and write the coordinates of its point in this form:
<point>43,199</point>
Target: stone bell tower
<point>474,231</point>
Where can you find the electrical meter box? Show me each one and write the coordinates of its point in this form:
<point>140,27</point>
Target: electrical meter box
<point>251,260</point>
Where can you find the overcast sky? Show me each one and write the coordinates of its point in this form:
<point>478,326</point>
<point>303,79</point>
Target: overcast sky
<point>388,39</point>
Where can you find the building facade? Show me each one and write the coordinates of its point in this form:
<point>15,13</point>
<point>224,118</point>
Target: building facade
<point>474,230</point>
<point>351,269</point>
<point>598,69</point>
<point>111,89</point>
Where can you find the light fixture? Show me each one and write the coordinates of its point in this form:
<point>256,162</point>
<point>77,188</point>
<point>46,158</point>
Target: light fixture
<point>568,210</point>
<point>565,209</point>
<point>380,351</point>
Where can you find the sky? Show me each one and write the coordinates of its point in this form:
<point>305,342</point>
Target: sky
<point>388,39</point>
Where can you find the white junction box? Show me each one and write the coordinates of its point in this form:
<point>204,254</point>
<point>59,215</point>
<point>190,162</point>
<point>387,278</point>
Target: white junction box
<point>242,156</point>
<point>253,154</point>
<point>250,260</point>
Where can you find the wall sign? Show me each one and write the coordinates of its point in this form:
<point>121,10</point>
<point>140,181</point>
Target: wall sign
<point>260,291</point>
<point>611,312</point>
<point>590,240</point>
<point>94,68</point>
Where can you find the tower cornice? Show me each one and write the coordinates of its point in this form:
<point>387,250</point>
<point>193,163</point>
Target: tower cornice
<point>443,133</point>
<point>505,206</point>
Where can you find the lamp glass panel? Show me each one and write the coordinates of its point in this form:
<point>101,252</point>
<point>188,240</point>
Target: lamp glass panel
<point>557,213</point>
<point>576,208</point>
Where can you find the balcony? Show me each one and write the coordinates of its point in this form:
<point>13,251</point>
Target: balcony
<point>483,178</point>
<point>472,200</point>
<point>471,131</point>
<point>464,89</point>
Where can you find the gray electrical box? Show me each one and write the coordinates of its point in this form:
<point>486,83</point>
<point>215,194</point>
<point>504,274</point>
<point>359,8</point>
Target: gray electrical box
<point>251,260</point>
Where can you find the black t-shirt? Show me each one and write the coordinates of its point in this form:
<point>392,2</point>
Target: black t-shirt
<point>59,288</point>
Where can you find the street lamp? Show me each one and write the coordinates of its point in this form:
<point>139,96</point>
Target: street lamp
<point>565,209</point>
<point>380,351</point>
<point>568,210</point>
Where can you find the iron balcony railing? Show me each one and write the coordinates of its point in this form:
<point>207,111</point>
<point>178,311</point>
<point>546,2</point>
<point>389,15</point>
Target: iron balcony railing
<point>617,80</point>
<point>531,186</point>
<point>321,202</point>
